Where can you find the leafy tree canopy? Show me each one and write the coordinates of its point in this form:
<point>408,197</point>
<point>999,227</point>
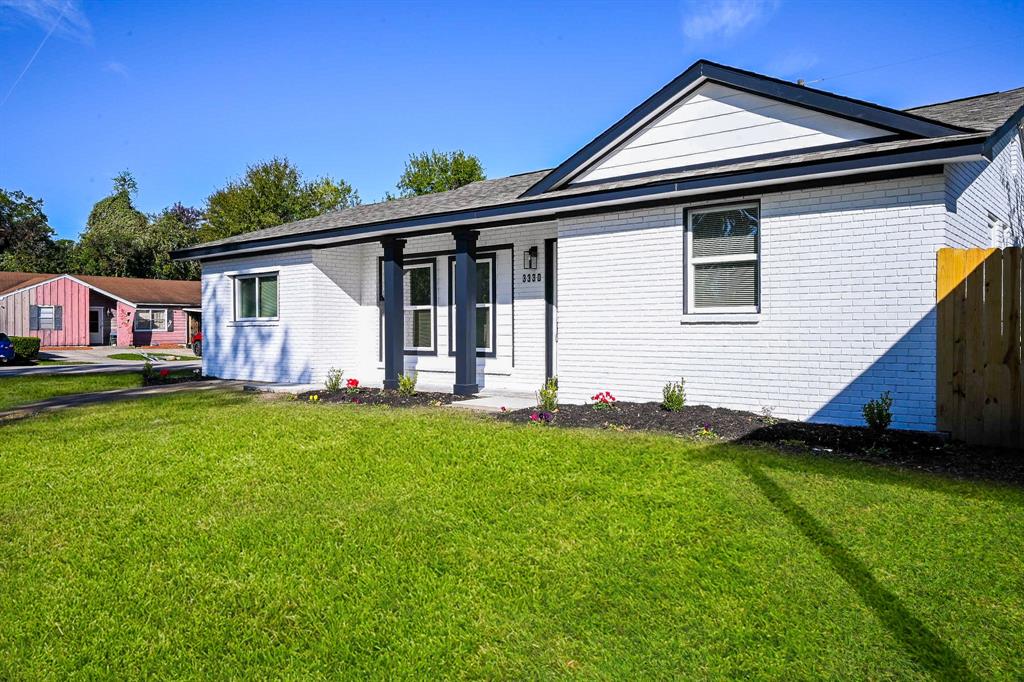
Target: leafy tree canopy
<point>271,193</point>
<point>114,240</point>
<point>173,228</point>
<point>436,171</point>
<point>26,238</point>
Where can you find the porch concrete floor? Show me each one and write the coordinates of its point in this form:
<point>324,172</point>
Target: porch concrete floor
<point>495,401</point>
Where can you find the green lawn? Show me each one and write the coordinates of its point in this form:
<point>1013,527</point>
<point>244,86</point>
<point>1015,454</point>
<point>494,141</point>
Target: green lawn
<point>23,390</point>
<point>220,535</point>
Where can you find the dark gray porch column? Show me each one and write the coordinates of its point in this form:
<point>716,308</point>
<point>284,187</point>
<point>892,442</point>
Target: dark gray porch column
<point>394,312</point>
<point>465,313</point>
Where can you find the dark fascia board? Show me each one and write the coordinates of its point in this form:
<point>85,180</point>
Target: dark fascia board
<point>856,110</point>
<point>1013,122</point>
<point>520,212</point>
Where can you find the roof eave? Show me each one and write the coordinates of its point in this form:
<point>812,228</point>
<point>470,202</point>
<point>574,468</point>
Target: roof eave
<point>549,208</point>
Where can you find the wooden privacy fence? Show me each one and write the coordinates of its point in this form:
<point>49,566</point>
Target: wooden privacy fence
<point>980,380</point>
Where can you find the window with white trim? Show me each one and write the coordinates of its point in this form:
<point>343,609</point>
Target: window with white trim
<point>723,259</point>
<point>45,317</point>
<point>151,320</point>
<point>418,294</point>
<point>484,303</point>
<point>256,297</point>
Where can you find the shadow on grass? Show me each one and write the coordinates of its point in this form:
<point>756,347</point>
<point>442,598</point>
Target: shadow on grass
<point>920,643</point>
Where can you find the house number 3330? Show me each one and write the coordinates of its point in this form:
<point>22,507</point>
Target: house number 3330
<point>531,277</point>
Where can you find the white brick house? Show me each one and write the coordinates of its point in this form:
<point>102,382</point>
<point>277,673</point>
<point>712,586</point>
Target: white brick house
<point>773,244</point>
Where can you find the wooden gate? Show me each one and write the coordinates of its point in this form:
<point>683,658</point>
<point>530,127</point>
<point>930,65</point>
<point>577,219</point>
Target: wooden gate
<point>980,381</point>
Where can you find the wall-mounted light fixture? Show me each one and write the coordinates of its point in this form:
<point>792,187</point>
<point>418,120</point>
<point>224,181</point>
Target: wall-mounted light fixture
<point>530,258</point>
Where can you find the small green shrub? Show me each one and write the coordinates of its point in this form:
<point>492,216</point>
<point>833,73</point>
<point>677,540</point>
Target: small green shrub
<point>673,396</point>
<point>547,396</point>
<point>333,381</point>
<point>26,348</point>
<point>148,373</point>
<point>878,413</point>
<point>407,384</point>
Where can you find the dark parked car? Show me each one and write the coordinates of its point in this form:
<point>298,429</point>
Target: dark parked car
<point>6,349</point>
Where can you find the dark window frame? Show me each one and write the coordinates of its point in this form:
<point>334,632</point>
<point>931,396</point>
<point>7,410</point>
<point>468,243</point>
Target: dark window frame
<point>407,263</point>
<point>491,256</point>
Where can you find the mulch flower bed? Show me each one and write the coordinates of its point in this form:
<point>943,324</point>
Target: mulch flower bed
<point>378,396</point>
<point>916,450</point>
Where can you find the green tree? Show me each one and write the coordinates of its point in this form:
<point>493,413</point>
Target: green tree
<point>173,228</point>
<point>26,238</point>
<point>272,193</point>
<point>114,242</point>
<point>436,171</point>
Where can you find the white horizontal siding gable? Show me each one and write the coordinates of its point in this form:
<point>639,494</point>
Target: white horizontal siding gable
<point>716,123</point>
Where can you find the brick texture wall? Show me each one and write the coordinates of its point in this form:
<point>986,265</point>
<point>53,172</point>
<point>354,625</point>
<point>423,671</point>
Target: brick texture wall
<point>847,296</point>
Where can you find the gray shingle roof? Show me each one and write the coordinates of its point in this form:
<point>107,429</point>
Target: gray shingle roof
<point>984,113</point>
<point>475,195</point>
<point>981,112</point>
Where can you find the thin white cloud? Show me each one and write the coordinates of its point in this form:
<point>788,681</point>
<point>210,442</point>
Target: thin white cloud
<point>116,68</point>
<point>724,18</point>
<point>64,17</point>
<point>792,64</point>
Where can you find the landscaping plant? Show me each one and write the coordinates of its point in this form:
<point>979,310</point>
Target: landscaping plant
<point>26,348</point>
<point>673,396</point>
<point>352,386</point>
<point>148,373</point>
<point>547,396</point>
<point>604,400</point>
<point>705,432</point>
<point>541,417</point>
<point>878,413</point>
<point>333,381</point>
<point>407,384</point>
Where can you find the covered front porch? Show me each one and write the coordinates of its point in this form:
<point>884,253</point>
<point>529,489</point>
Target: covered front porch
<point>467,310</point>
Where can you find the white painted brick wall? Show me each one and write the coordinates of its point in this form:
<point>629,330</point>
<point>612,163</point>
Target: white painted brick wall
<point>318,317</point>
<point>976,189</point>
<point>848,281</point>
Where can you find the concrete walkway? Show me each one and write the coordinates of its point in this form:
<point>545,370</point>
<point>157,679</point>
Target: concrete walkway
<point>494,402</point>
<point>82,399</point>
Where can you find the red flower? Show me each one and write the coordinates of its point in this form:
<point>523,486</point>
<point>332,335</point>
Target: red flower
<point>352,383</point>
<point>164,372</point>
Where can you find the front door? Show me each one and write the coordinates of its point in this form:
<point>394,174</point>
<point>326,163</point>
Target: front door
<point>96,324</point>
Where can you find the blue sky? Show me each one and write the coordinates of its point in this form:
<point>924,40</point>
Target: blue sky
<point>185,95</point>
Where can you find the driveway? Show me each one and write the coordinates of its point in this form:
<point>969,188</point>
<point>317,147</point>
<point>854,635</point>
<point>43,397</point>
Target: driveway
<point>100,362</point>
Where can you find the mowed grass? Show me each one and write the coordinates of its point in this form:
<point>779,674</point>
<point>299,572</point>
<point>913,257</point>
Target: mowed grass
<point>220,535</point>
<point>32,388</point>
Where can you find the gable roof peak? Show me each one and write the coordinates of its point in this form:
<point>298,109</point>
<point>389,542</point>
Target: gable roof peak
<point>896,122</point>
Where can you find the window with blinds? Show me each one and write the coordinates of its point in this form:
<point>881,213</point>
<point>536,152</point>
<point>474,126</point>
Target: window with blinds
<point>152,320</point>
<point>256,297</point>
<point>723,247</point>
<point>485,290</point>
<point>418,291</point>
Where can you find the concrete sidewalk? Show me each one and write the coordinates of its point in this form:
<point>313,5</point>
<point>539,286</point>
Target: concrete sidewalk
<point>99,362</point>
<point>82,399</point>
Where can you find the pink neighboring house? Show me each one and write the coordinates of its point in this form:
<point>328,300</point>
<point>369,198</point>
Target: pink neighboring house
<point>84,310</point>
